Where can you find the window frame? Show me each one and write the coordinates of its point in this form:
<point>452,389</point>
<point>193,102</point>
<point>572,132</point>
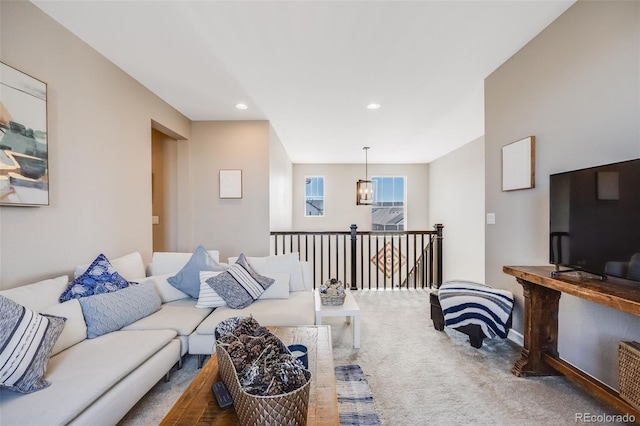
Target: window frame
<point>306,197</point>
<point>378,187</point>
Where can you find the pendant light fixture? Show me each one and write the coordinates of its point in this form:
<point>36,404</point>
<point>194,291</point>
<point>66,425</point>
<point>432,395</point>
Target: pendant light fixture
<point>364,188</point>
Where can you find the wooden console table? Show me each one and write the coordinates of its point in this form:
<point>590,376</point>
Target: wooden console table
<point>541,301</point>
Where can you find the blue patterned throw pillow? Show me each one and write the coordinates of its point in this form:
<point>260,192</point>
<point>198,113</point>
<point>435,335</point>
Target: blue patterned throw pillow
<point>100,277</point>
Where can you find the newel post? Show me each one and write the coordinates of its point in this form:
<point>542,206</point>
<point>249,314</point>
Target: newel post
<point>354,227</point>
<point>439,238</point>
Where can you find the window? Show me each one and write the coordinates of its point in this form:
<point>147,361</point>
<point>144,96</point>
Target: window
<point>314,196</point>
<point>388,208</point>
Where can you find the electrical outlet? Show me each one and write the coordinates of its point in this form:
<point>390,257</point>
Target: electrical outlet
<point>491,218</point>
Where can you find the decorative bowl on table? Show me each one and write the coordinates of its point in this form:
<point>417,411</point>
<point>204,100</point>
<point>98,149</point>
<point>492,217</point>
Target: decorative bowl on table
<point>332,293</point>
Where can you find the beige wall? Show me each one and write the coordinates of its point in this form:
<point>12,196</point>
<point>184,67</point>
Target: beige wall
<point>230,225</point>
<point>456,199</point>
<point>340,195</point>
<point>576,87</point>
<point>99,125</point>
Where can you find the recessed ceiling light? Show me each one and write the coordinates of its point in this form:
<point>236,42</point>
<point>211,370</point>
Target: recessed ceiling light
<point>373,105</point>
<point>241,106</point>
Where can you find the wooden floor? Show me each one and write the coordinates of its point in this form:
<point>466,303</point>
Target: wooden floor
<point>198,406</point>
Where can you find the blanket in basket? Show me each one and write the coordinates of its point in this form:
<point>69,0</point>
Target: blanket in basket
<point>466,302</point>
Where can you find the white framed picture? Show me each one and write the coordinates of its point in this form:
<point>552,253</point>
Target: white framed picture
<point>518,164</point>
<point>231,183</point>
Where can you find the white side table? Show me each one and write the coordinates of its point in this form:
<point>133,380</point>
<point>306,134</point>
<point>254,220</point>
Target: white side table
<point>349,309</point>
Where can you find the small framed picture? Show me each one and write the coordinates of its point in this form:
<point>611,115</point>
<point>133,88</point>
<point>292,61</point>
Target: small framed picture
<point>518,164</point>
<point>231,183</point>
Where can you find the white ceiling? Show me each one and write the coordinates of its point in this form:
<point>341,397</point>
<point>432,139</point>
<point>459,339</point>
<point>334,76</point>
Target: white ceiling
<point>311,67</point>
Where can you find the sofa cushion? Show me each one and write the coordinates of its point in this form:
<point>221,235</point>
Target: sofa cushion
<point>297,310</point>
<point>240,285</point>
<point>172,262</point>
<point>75,329</point>
<point>82,375</point>
<point>26,341</point>
<point>180,315</point>
<point>40,295</point>
<point>307,275</point>
<point>166,291</point>
<point>108,312</point>
<point>188,279</point>
<point>280,287</point>
<point>208,298</point>
<point>289,263</point>
<point>130,266</point>
<point>100,277</point>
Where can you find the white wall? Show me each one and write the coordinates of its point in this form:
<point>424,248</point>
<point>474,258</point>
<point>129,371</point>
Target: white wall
<point>340,195</point>
<point>576,87</point>
<point>280,185</point>
<point>99,133</point>
<point>456,199</point>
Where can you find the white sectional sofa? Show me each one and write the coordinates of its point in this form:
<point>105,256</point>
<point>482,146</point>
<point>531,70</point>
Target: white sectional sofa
<point>98,380</point>
<point>93,381</point>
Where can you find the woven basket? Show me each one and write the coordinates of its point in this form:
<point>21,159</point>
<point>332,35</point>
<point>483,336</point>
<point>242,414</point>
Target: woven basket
<point>332,299</point>
<point>286,409</point>
<point>629,372</point>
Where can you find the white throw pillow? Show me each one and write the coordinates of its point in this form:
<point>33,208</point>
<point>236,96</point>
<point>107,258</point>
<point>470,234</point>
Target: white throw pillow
<point>279,289</point>
<point>289,263</point>
<point>130,266</point>
<point>166,291</point>
<point>208,298</point>
<point>172,262</point>
<point>40,295</point>
<point>75,329</point>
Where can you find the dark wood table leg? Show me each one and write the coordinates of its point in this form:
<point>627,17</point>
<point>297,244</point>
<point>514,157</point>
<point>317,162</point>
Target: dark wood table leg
<point>436,312</point>
<point>540,330</point>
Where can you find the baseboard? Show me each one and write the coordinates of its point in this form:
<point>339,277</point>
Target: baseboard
<point>516,337</point>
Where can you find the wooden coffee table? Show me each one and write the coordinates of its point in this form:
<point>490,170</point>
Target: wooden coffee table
<point>198,406</point>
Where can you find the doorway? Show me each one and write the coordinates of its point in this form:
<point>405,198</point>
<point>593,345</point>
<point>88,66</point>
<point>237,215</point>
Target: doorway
<point>164,191</point>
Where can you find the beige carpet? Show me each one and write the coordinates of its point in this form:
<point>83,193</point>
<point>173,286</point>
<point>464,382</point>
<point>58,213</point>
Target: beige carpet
<point>419,376</point>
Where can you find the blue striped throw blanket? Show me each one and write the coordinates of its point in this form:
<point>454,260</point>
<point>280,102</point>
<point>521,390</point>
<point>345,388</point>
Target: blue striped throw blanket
<point>466,302</point>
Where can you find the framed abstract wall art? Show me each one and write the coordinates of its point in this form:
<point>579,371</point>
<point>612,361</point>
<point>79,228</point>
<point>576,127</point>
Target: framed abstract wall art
<point>24,168</point>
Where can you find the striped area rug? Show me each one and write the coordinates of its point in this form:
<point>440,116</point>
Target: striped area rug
<point>355,401</point>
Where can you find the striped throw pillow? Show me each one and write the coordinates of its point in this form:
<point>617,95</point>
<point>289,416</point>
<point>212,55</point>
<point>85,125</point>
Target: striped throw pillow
<point>240,285</point>
<point>26,341</point>
<point>208,298</point>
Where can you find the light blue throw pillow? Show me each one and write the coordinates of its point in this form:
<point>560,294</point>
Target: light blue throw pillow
<point>109,312</point>
<point>100,277</point>
<point>188,279</point>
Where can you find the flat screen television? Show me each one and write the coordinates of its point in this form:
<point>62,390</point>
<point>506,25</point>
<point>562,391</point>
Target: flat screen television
<point>595,220</point>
